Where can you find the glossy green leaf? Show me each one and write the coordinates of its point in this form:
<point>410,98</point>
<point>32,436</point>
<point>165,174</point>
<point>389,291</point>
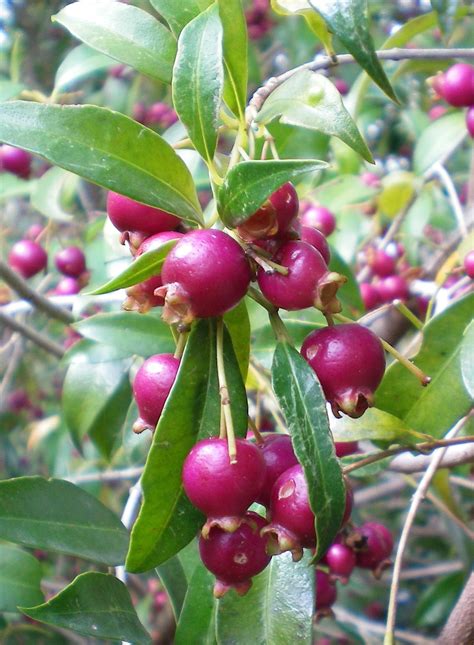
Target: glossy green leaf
<point>80,64</point>
<point>167,520</point>
<point>128,34</point>
<point>143,267</point>
<point>375,425</point>
<point>95,402</point>
<point>278,608</point>
<point>445,12</point>
<point>304,406</point>
<point>198,78</point>
<point>438,140</point>
<point>9,89</point>
<point>349,21</point>
<point>20,578</point>
<point>398,189</point>
<point>467,359</point>
<point>349,293</point>
<point>131,332</point>
<point>249,183</point>
<point>310,100</point>
<point>94,604</point>
<point>436,408</point>
<point>21,634</point>
<point>173,579</point>
<point>238,325</point>
<point>235,55</point>
<point>435,604</point>
<point>106,148</point>
<point>46,194</point>
<point>314,20</point>
<point>197,622</point>
<point>88,351</point>
<point>57,516</point>
<point>178,14</point>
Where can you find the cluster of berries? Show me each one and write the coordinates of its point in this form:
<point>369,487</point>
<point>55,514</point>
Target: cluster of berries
<point>15,161</point>
<point>258,19</point>
<point>389,269</point>
<point>456,87</point>
<point>158,114</point>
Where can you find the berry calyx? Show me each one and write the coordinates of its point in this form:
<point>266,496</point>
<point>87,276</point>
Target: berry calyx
<point>278,454</point>
<point>326,593</point>
<point>204,275</point>
<point>71,261</point>
<point>151,388</point>
<point>374,548</point>
<point>468,264</point>
<point>127,215</point>
<point>28,258</point>
<point>274,217</point>
<point>234,558</point>
<point>341,561</point>
<point>15,160</point>
<point>221,490</point>
<point>320,218</point>
<point>349,362</point>
<point>458,85</point>
<point>308,282</point>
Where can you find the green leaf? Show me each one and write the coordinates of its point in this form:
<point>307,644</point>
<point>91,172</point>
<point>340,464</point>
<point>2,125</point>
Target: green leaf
<point>310,100</point>
<point>235,55</point>
<point>57,516</point>
<point>249,183</point>
<point>143,267</point>
<point>349,294</point>
<point>80,64</point>
<point>134,333</point>
<point>435,604</point>
<point>343,191</point>
<point>13,186</point>
<point>9,90</point>
<point>304,406</point>
<point>375,425</point>
<point>94,604</point>
<point>123,32</point>
<point>21,634</point>
<point>314,20</point>
<point>278,608</point>
<point>106,148</point>
<point>238,325</point>
<point>167,520</point>
<point>178,14</point>
<point>435,408</point>
<point>263,338</point>
<point>398,189</point>
<point>349,21</point>
<point>467,363</point>
<point>20,578</point>
<point>198,78</point>
<point>46,194</point>
<point>87,351</point>
<point>445,11</point>
<point>197,620</point>
<point>438,140</point>
<point>95,402</point>
<point>173,579</point>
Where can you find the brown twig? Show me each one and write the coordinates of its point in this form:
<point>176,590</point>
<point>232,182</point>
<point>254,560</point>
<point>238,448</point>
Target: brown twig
<point>455,456</point>
<point>459,630</point>
<point>31,334</point>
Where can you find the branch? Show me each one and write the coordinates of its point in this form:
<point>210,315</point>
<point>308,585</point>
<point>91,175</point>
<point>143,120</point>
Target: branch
<point>129,515</point>
<point>262,94</point>
<point>35,336</point>
<point>459,630</point>
<point>109,476</point>
<point>19,285</point>
<point>23,306</point>
<point>455,456</point>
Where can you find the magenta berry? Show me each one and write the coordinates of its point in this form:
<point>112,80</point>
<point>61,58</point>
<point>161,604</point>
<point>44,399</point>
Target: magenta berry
<point>345,448</point>
<point>370,179</point>
<point>458,85</point>
<point>381,263</point>
<point>308,282</point>
<point>341,561</point>
<point>278,454</point>
<point>141,297</point>
<point>377,547</point>
<point>341,86</point>
<point>469,264</point>
<point>349,362</point>
<point>326,592</point>
<point>204,275</point>
<point>15,160</point>
<point>320,218</point>
<point>71,261</point>
<point>151,387</point>
<point>370,296</point>
<point>34,231</point>
<point>436,112</point>
<point>274,217</point>
<point>28,258</point>
<point>393,288</point>
<point>234,558</point>
<point>470,121</point>
<point>128,215</point>
<point>218,488</point>
<point>316,239</point>
<point>67,286</point>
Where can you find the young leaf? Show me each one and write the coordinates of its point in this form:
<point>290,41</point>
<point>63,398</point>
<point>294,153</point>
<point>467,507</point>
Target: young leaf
<point>435,408</point>
<point>57,516</point>
<point>94,604</point>
<point>173,579</point>
<point>304,406</point>
<point>438,140</point>
<point>310,100</point>
<point>81,63</point>
<point>20,578</point>
<point>349,21</point>
<point>249,183</point>
<point>128,34</point>
<point>106,148</point>
<point>375,425</point>
<point>235,55</point>
<point>349,294</point>
<point>197,622</point>
<point>143,267</point>
<point>279,605</point>
<point>178,14</point>
<point>46,194</point>
<point>198,79</point>
<point>167,520</point>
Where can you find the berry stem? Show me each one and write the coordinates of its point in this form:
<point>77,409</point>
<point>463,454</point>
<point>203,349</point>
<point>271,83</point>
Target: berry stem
<point>267,265</point>
<point>409,315</point>
<point>278,326</point>
<point>224,394</point>
<point>257,433</point>
<point>180,345</point>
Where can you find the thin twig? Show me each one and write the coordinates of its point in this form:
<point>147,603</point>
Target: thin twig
<point>455,456</point>
<point>462,481</point>
<point>35,336</point>
<point>109,476</point>
<point>224,393</point>
<point>439,569</point>
<point>445,178</point>
<point>129,516</point>
<point>24,306</point>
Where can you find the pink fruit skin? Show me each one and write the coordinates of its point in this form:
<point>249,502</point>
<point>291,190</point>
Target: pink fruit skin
<point>381,263</point>
<point>297,290</point>
<point>326,591</point>
<point>317,240</point>
<point>320,218</point>
<point>279,455</point>
<point>285,202</point>
<point>129,215</point>
<point>345,448</point>
<point>341,86</point>
<point>370,296</point>
<point>235,557</point>
<point>349,362</point>
<point>469,264</point>
<point>393,288</point>
<point>458,85</point>
<point>370,179</point>
<point>340,559</point>
<point>152,385</point>
<point>71,261</point>
<point>470,121</point>
<point>379,545</point>
<point>67,286</point>
<point>217,487</point>
<point>211,269</point>
<point>28,258</point>
<point>436,112</point>
<point>289,506</point>
<point>15,160</point>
